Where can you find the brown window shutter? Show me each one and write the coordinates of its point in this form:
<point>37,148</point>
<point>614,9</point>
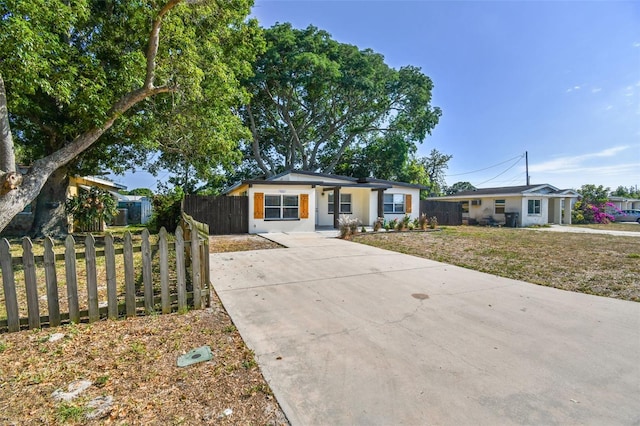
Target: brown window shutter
<point>304,206</point>
<point>407,206</point>
<point>258,205</point>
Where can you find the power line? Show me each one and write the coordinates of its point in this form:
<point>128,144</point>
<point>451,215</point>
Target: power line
<point>500,174</point>
<point>487,168</point>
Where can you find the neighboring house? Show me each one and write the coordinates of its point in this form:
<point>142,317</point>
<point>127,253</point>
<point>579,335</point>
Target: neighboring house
<point>21,224</point>
<point>77,183</point>
<point>624,203</point>
<point>527,205</point>
<point>134,209</point>
<point>297,201</point>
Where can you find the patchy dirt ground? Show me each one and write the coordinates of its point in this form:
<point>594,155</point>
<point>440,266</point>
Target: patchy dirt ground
<point>133,362</point>
<point>242,242</point>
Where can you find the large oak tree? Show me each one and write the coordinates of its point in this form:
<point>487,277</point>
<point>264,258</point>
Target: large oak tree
<point>92,83</point>
<point>315,100</point>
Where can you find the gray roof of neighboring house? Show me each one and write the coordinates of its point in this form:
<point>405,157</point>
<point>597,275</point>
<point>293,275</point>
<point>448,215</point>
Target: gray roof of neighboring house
<point>510,190</point>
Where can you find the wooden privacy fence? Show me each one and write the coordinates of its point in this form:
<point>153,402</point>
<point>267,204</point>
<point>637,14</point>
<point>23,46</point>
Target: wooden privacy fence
<point>448,213</point>
<point>224,214</point>
<point>172,274</point>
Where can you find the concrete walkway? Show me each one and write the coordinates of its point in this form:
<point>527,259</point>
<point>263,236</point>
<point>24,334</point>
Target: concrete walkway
<point>347,334</point>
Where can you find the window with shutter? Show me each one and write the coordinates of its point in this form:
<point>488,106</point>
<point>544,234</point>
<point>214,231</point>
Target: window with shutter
<point>407,200</point>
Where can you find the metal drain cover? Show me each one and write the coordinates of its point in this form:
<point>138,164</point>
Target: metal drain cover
<point>201,354</point>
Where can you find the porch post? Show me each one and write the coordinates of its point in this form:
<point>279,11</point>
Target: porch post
<point>567,211</point>
<point>557,211</point>
<point>380,203</point>
<point>336,206</point>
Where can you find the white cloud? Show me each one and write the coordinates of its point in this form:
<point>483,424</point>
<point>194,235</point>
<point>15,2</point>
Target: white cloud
<point>596,90</point>
<point>575,163</point>
<point>636,44</point>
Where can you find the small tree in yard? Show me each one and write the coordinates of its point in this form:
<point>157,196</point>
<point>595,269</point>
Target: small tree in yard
<point>89,207</point>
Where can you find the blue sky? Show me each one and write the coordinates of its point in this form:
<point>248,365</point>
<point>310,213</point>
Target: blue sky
<point>559,79</point>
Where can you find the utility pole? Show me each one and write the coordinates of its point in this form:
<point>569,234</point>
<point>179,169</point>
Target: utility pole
<point>526,160</point>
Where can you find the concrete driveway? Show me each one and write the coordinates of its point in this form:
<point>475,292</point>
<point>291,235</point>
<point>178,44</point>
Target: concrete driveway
<point>349,334</point>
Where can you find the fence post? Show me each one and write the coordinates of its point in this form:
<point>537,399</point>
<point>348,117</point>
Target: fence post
<point>31,283</point>
<point>129,278</point>
<point>9,286</point>
<point>181,284</point>
<point>53,302</point>
<point>206,271</point>
<point>147,278</point>
<point>164,271</point>
<point>110,267</point>
<point>195,265</point>
<point>72,283</point>
<point>92,278</point>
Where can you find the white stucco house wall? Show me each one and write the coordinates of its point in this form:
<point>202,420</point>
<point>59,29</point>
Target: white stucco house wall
<point>298,201</point>
<point>532,204</point>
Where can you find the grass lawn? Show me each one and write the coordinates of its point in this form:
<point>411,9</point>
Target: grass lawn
<point>596,264</point>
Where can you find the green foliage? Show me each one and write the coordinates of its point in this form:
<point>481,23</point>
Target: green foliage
<point>102,380</point>
<point>592,194</point>
<point>145,192</point>
<point>89,207</point>
<point>577,214</point>
<point>591,205</point>
<point>67,412</point>
<point>630,192</point>
<point>459,187</point>
<point>67,63</point>
<point>166,210</point>
<point>316,100</point>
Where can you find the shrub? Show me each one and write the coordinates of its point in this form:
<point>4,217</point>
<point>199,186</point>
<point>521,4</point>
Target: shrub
<point>378,224</point>
<point>423,222</point>
<point>584,212</point>
<point>406,220</point>
<point>433,222</point>
<point>89,207</point>
<point>166,210</point>
<point>347,226</point>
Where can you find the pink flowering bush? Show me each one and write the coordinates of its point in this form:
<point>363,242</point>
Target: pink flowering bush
<point>592,213</point>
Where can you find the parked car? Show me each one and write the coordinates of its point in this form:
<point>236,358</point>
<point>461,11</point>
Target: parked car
<point>627,216</point>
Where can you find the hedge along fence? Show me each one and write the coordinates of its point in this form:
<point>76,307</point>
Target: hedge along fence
<point>118,281</point>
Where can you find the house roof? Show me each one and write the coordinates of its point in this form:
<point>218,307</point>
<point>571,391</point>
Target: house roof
<point>331,181</point>
<point>541,189</point>
<point>102,181</point>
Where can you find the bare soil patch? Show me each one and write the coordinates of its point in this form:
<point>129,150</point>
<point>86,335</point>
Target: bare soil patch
<point>242,242</point>
<point>603,265</point>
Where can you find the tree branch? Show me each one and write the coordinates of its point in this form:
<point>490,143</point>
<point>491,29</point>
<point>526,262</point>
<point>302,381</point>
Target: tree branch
<point>154,41</point>
<point>7,153</point>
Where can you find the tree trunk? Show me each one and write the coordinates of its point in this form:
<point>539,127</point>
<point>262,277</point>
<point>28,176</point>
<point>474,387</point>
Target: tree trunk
<point>50,218</point>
